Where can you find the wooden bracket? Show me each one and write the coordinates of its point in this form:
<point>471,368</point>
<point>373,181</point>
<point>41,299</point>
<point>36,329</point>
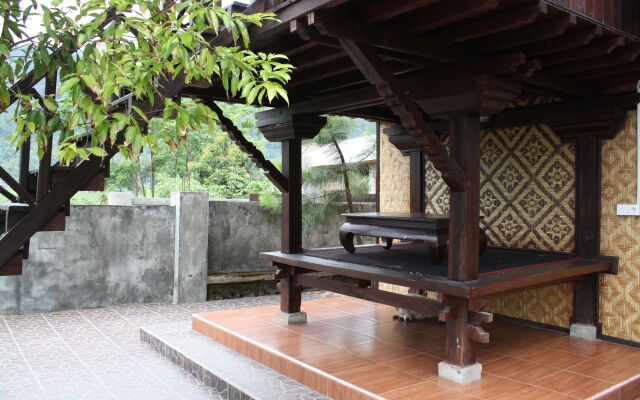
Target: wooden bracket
<point>477,334</point>
<point>271,171</point>
<point>411,117</point>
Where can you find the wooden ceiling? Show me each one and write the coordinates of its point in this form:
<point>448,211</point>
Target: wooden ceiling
<point>550,50</point>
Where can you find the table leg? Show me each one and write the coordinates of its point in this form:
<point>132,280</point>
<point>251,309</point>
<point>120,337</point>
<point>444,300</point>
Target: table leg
<point>389,243</point>
<point>437,243</point>
<point>346,239</point>
<point>484,240</point>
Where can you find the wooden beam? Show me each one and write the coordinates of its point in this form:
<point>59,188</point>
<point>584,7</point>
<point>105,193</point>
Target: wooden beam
<point>622,56</point>
<point>426,306</point>
<point>560,85</point>
<point>381,10</point>
<point>20,190</point>
<point>497,23</point>
<point>444,13</point>
<point>271,172</point>
<point>372,67</point>
<point>597,48</point>
<point>330,24</point>
<point>529,34</point>
<point>574,38</point>
<point>417,181</point>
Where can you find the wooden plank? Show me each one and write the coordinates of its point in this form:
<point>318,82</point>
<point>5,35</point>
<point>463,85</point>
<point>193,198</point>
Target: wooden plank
<point>411,118</point>
<point>588,196</point>
<point>10,196</point>
<point>621,56</point>
<point>25,154</point>
<point>291,218</point>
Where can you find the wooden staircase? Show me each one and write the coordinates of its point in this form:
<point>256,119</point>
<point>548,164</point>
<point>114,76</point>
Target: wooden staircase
<point>13,214</point>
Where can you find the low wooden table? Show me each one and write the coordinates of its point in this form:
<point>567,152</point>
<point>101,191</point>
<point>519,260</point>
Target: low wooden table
<point>433,229</point>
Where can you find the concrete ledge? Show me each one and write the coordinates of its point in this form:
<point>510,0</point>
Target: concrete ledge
<point>583,331</point>
<point>458,374</point>
<point>293,318</point>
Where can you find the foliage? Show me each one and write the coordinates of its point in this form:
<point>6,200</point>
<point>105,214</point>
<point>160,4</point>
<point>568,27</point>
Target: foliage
<point>108,49</point>
<point>329,187</point>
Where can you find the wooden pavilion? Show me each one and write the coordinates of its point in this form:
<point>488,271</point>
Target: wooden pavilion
<point>433,69</point>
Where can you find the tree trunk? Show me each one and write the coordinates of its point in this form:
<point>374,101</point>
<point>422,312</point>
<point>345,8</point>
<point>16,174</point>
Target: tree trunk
<point>345,177</point>
<point>144,191</point>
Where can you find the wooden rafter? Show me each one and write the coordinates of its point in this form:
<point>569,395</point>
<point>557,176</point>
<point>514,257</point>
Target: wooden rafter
<point>382,10</point>
<point>271,172</point>
<point>444,13</point>
<point>372,67</point>
<point>503,22</point>
<point>330,24</point>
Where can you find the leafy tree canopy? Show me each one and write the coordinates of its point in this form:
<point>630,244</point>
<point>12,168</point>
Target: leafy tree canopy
<point>106,49</point>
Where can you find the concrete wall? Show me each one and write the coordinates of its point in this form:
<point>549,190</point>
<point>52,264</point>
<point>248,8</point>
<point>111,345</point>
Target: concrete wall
<point>240,230</point>
<point>126,254</point>
<point>107,255</point>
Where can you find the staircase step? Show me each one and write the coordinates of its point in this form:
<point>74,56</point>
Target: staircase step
<point>13,266</point>
<point>58,172</point>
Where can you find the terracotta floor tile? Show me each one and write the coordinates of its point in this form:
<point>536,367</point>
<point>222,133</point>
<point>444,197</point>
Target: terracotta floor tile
<point>486,356</point>
<point>427,390</point>
<point>380,313</point>
<point>518,370</point>
<point>265,331</point>
<point>595,368</point>
<point>529,392</point>
<point>505,346</point>
<point>242,323</point>
<point>378,378</point>
<point>630,391</point>
<point>386,330</point>
<point>341,338</point>
<point>332,359</point>
<point>422,365</point>
<point>550,357</point>
<point>422,342</point>
<point>350,322</point>
<point>573,384</point>
<point>379,351</point>
<point>580,346</point>
<point>491,386</point>
<point>624,356</point>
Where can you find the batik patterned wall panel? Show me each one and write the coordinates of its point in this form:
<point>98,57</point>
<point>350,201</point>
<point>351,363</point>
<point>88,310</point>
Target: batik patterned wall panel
<point>527,195</point>
<point>394,176</point>
<point>620,294</point>
<point>394,185</point>
<point>527,198</point>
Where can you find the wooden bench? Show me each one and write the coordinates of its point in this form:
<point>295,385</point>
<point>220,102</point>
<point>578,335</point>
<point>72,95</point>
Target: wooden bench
<point>433,229</point>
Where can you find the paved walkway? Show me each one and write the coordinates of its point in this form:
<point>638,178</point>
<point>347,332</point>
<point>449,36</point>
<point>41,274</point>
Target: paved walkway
<point>97,354</point>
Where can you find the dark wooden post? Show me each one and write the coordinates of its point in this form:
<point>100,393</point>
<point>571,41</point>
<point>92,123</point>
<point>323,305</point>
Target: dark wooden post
<point>586,290</point>
<point>417,195</point>
<point>464,214</point>
<point>281,126</point>
<point>464,206</point>
<point>291,220</point>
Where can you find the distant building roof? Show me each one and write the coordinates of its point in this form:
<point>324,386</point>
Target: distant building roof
<point>356,150</point>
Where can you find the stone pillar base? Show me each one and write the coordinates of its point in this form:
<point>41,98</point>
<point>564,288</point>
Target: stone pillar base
<point>458,374</point>
<point>293,318</point>
<point>583,331</point>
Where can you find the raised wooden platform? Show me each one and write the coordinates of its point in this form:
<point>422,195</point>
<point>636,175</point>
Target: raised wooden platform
<point>352,349</point>
<point>501,270</point>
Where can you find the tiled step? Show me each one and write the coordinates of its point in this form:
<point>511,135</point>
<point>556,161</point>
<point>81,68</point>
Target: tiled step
<point>233,375</point>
